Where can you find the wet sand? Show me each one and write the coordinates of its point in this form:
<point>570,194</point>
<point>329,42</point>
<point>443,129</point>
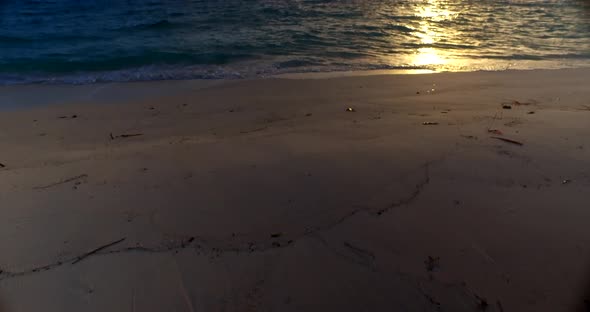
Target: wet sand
<point>438,192</point>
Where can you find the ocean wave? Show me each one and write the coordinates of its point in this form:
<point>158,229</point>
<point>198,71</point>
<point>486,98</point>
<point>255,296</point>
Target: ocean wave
<point>166,72</point>
<point>401,28</point>
<point>14,39</point>
<point>60,65</point>
<point>45,38</point>
<point>545,57</point>
<point>298,63</point>
<point>246,70</point>
<point>163,24</point>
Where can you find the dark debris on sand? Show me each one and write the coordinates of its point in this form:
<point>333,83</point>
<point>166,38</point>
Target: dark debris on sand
<point>68,117</point>
<point>124,135</point>
<point>508,141</point>
<point>432,263</point>
<point>482,303</point>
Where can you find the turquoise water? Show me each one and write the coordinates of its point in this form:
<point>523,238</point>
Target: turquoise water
<point>92,41</point>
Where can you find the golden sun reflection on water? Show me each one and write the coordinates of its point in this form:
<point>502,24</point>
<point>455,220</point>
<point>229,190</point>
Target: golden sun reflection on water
<point>429,33</point>
<point>428,56</point>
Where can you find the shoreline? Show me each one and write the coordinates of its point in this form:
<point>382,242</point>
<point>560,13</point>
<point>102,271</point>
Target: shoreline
<point>17,95</point>
<point>76,79</point>
<point>268,194</point>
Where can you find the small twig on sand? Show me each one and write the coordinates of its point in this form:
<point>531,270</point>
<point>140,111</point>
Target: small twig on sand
<point>483,253</point>
<point>61,182</point>
<point>2,165</point>
<point>254,130</point>
<point>494,120</point>
<point>521,103</point>
<point>82,257</point>
<point>129,135</point>
<point>360,252</point>
<point>68,117</point>
<point>508,140</point>
<point>500,307</point>
<point>124,135</point>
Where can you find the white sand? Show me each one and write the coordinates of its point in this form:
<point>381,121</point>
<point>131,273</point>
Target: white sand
<point>358,200</point>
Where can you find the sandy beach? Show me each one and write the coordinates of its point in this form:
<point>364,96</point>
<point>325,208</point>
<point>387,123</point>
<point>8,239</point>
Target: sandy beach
<point>434,192</point>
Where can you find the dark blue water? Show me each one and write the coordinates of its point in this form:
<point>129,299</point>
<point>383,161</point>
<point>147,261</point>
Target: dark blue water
<point>84,41</point>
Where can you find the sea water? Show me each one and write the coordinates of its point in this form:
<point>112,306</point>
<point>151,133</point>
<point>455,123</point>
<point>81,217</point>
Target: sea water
<point>86,41</point>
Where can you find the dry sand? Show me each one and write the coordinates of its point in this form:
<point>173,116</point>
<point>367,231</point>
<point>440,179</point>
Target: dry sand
<point>267,195</point>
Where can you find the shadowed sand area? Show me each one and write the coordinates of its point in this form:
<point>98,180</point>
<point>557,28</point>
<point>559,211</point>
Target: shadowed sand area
<point>267,195</point>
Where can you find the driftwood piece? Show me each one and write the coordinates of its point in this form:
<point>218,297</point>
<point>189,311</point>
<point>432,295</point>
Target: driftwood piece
<point>124,135</point>
<point>61,182</point>
<point>129,135</point>
<point>83,256</point>
<point>254,130</point>
<point>508,140</point>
